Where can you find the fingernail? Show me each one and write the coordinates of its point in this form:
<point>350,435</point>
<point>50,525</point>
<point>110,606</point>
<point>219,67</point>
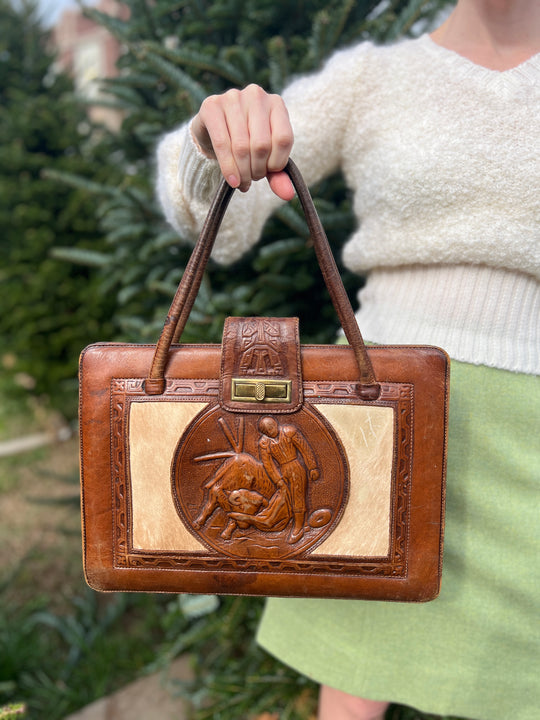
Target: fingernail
<point>233,181</point>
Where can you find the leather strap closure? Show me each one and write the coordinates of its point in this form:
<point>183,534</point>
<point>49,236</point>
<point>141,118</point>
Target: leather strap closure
<point>260,365</point>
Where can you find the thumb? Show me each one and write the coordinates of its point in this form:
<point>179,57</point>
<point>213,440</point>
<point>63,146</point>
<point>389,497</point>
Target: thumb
<point>281,185</point>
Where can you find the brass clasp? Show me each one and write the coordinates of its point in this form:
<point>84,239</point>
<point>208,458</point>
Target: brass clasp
<point>261,390</point>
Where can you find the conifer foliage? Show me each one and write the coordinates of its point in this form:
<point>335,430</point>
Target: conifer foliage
<point>176,52</point>
<point>49,308</point>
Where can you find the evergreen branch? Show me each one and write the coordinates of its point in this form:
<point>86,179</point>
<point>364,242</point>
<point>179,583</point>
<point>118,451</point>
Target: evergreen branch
<point>166,239</point>
<point>243,56</point>
<point>327,28</point>
<point>162,10</point>
<point>147,81</point>
<point>80,256</point>
<point>197,59</point>
<point>160,286</point>
<point>278,249</point>
<point>339,22</point>
<point>294,220</point>
<point>80,182</point>
<point>149,132</point>
<point>118,28</point>
<point>147,14</point>
<point>102,103</point>
<point>179,79</point>
<point>127,293</point>
<point>406,18</point>
<point>124,91</point>
<point>126,232</point>
<point>278,63</point>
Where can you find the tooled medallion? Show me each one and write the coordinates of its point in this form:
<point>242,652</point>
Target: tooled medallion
<point>260,486</point>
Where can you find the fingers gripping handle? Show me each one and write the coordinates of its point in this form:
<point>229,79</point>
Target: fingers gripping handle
<point>191,280</point>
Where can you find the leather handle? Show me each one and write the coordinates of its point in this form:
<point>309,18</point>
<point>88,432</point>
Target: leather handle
<point>193,274</point>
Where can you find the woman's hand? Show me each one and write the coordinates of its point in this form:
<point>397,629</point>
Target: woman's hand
<point>249,133</point>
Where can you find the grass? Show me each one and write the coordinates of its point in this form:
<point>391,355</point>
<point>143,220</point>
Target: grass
<point>12,466</point>
<point>20,414</point>
<point>63,646</point>
<point>57,663</point>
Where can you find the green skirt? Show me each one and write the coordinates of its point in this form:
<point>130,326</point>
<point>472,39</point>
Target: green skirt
<point>472,652</point>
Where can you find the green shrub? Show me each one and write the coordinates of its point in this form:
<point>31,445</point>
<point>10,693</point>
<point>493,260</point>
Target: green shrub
<point>49,309</point>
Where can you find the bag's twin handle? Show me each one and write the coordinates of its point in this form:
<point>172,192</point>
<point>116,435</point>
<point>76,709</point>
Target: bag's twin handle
<point>193,274</point>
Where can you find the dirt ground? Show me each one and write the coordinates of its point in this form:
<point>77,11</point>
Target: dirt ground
<point>40,540</point>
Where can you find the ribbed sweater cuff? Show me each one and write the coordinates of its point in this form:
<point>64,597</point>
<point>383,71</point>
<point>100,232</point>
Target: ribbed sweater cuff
<point>478,314</point>
<point>198,175</point>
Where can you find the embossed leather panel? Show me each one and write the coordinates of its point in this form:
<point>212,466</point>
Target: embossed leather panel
<point>362,531</point>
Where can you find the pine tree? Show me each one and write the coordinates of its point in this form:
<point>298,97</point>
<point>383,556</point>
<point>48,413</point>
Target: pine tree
<point>49,309</point>
<point>177,53</point>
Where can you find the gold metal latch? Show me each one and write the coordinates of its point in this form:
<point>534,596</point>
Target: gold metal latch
<point>261,390</point>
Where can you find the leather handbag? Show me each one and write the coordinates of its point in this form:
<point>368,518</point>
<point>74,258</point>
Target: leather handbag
<point>262,466</point>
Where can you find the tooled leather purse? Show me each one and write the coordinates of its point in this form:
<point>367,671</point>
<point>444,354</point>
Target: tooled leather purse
<point>262,466</point>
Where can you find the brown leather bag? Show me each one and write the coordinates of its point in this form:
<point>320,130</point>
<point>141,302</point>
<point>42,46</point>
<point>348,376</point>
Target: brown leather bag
<point>262,466</point>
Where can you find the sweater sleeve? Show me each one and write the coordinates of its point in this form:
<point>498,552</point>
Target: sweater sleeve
<point>320,108</point>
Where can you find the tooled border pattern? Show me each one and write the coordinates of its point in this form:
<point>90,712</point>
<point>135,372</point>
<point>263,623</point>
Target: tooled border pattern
<point>396,395</point>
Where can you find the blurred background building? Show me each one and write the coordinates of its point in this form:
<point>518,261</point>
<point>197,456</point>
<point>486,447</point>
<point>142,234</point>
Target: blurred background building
<point>88,52</point>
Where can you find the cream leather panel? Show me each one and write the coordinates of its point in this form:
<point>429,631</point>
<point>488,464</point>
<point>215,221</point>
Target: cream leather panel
<point>156,524</point>
<point>367,434</point>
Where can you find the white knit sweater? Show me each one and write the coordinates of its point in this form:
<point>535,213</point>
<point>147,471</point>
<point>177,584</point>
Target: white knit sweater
<point>443,158</point>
